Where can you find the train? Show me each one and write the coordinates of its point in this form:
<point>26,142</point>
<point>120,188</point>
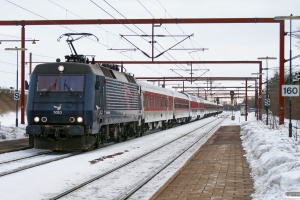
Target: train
<point>79,105</point>
<point>75,106</point>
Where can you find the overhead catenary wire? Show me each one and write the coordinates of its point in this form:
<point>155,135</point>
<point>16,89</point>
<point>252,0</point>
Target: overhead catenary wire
<point>82,18</point>
<point>158,22</point>
<point>68,29</point>
<point>129,28</point>
<point>183,32</point>
<point>120,22</point>
<point>108,14</point>
<point>15,36</point>
<point>137,28</point>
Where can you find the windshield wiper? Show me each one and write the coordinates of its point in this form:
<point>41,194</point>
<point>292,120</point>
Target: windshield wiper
<point>66,86</point>
<point>51,87</point>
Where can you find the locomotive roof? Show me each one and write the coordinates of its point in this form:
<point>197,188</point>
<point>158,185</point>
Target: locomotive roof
<point>69,68</point>
<point>82,68</point>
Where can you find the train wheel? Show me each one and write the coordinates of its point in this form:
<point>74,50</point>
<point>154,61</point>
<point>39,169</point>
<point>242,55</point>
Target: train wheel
<point>139,131</point>
<point>119,138</point>
<point>125,135</point>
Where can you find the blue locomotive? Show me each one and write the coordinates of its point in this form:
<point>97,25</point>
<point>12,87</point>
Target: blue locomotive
<point>76,105</point>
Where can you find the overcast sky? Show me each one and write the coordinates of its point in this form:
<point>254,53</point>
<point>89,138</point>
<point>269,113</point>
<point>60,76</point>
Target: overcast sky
<point>223,41</point>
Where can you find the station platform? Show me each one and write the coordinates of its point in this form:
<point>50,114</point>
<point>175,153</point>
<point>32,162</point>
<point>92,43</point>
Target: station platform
<point>14,145</point>
<point>218,170</point>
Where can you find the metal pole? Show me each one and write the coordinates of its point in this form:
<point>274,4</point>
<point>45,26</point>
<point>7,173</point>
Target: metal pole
<point>30,63</point>
<point>267,94</point>
<point>191,73</point>
<point>17,103</point>
<point>290,124</point>
<point>256,100</point>
<point>246,108</point>
<point>260,92</point>
<point>23,77</point>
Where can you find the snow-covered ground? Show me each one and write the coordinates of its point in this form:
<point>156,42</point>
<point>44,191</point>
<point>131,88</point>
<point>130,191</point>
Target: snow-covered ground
<point>274,159</point>
<point>8,129</point>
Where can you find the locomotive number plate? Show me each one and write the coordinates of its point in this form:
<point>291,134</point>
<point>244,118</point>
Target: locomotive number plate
<point>57,112</point>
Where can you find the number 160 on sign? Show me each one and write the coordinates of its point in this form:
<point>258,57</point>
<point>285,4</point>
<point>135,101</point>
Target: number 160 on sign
<point>290,90</point>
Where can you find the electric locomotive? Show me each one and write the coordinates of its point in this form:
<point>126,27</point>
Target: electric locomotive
<point>76,104</point>
<point>71,105</point>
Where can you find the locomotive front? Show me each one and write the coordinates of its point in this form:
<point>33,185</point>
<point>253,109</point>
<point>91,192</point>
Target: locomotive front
<point>58,112</point>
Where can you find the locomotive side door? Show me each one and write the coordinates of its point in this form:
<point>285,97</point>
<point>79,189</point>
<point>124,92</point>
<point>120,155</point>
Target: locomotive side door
<point>97,106</point>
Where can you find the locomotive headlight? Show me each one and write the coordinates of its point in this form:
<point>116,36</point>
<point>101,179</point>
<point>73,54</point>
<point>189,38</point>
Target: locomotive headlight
<point>61,68</point>
<point>79,119</point>
<point>36,119</point>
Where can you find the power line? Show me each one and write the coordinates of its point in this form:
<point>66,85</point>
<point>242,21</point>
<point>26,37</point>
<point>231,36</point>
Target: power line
<point>167,32</point>
<point>95,25</point>
<point>131,29</point>
<point>182,31</point>
<point>69,29</point>
<point>48,19</point>
<point>121,23</point>
<point>15,36</point>
<point>158,43</point>
<point>82,18</point>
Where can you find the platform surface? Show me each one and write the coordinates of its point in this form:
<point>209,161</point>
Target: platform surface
<point>218,170</point>
<point>13,145</point>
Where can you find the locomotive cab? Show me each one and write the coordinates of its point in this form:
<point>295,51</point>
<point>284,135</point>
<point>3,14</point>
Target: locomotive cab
<point>57,111</point>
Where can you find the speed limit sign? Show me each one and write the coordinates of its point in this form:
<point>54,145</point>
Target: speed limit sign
<point>290,90</point>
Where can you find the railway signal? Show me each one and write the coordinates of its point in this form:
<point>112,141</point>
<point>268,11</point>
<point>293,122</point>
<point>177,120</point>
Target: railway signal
<point>267,102</point>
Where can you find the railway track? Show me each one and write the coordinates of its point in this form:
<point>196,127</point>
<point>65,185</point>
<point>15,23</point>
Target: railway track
<point>25,157</point>
<point>17,165</point>
<point>6,167</point>
<point>137,162</point>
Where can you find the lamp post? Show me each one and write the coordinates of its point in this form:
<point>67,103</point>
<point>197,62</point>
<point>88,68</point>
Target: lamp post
<point>17,100</point>
<point>267,100</point>
<point>290,102</point>
<point>256,94</point>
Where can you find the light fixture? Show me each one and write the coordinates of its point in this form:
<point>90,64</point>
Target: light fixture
<point>33,42</point>
<point>61,68</point>
<point>36,119</point>
<point>79,119</point>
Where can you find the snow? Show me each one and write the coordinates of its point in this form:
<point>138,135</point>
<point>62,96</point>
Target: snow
<point>8,129</point>
<point>274,159</point>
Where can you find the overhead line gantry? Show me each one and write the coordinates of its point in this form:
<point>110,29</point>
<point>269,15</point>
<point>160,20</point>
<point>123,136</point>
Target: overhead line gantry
<point>153,22</point>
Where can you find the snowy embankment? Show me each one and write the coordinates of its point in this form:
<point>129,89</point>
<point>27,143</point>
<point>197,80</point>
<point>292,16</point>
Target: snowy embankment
<point>8,129</point>
<point>274,159</point>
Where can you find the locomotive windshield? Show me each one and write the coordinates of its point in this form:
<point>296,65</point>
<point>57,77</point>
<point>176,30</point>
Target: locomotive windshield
<point>60,83</point>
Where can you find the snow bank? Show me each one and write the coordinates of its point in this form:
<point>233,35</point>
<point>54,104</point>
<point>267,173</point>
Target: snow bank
<point>273,158</point>
<point>8,129</point>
